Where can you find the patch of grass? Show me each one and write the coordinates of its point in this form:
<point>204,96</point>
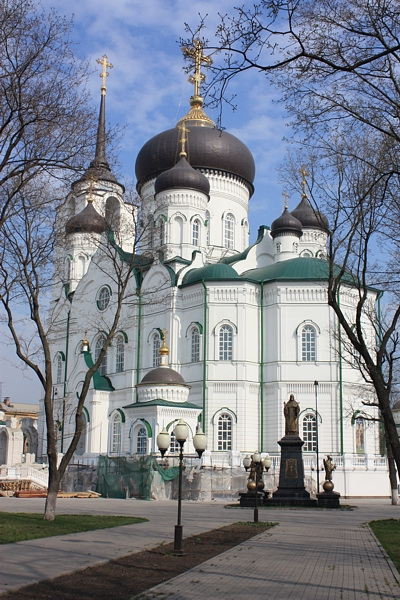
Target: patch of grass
<point>388,533</point>
<point>18,527</point>
<point>261,524</point>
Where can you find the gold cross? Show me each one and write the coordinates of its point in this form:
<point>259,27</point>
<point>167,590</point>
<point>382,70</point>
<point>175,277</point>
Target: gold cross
<point>104,62</point>
<point>164,334</point>
<point>183,129</point>
<point>285,197</point>
<point>303,173</point>
<point>196,55</point>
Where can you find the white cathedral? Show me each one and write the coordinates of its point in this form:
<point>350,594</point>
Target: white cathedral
<point>214,331</point>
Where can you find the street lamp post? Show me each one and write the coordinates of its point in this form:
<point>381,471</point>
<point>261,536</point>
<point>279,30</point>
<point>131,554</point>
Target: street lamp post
<point>316,431</point>
<point>255,481</point>
<point>181,431</point>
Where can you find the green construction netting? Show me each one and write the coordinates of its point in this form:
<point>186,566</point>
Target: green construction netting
<point>122,477</point>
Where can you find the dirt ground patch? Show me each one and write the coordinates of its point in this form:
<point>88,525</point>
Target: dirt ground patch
<point>123,578</point>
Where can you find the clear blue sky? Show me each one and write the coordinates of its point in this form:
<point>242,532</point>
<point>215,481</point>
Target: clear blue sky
<point>147,92</point>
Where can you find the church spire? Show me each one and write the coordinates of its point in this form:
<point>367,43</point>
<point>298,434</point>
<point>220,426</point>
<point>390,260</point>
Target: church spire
<point>99,168</point>
<point>100,156</point>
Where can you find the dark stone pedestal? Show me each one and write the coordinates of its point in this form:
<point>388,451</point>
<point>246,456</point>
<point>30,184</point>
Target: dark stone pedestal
<point>328,500</point>
<point>291,490</point>
<point>249,499</point>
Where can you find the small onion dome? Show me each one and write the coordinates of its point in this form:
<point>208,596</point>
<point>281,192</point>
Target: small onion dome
<point>163,375</point>
<point>309,217</point>
<point>217,271</point>
<point>182,176</point>
<point>87,221</point>
<point>207,148</point>
<point>286,223</point>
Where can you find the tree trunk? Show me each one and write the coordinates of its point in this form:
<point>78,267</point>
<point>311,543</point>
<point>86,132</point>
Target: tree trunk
<point>392,473</point>
<point>51,500</point>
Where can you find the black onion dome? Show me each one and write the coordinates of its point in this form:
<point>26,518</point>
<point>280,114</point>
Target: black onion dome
<point>286,223</point>
<point>182,175</point>
<point>164,376</point>
<point>310,217</point>
<point>87,221</point>
<point>207,148</point>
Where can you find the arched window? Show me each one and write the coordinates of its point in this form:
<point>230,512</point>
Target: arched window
<point>162,231</point>
<point>195,345</point>
<point>81,447</point>
<point>67,270</point>
<point>120,354</point>
<point>59,369</point>
<point>103,297</point>
<point>156,342</point>
<point>112,215</point>
<point>178,230</point>
<point>99,345</point>
<point>308,344</point>
<point>208,227</point>
<point>195,232</point>
<point>225,343</point>
<point>141,441</point>
<point>224,432</point>
<point>115,442</point>
<point>309,433</point>
<point>245,233</point>
<point>229,231</point>
<point>360,435</point>
<point>295,247</point>
<point>278,247</point>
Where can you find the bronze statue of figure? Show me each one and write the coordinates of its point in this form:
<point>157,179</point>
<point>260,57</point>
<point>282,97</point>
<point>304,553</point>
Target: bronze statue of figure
<point>329,468</point>
<point>291,411</point>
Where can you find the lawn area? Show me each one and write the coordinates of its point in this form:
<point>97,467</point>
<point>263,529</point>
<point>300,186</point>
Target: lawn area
<point>17,527</point>
<point>388,533</point>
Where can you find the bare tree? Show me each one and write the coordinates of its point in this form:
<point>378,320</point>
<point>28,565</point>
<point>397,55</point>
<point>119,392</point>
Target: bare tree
<point>27,274</point>
<point>46,124</point>
<point>336,63</point>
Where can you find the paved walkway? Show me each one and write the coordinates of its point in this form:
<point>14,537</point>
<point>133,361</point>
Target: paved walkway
<point>310,555</point>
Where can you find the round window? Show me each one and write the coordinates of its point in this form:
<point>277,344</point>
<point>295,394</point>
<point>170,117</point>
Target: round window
<point>103,298</point>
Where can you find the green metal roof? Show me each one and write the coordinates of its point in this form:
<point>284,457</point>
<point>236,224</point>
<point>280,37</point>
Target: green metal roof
<point>161,402</point>
<point>214,272</point>
<point>296,269</point>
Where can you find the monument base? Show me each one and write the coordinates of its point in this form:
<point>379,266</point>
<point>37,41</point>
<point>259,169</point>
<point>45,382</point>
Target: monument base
<point>291,501</point>
<point>291,490</point>
<point>328,500</point>
<point>248,499</point>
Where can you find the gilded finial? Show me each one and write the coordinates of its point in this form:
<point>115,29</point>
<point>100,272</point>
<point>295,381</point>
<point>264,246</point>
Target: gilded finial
<point>196,112</point>
<point>164,350</point>
<point>92,179</point>
<point>196,55</point>
<point>285,197</point>
<point>303,173</point>
<point>184,130</point>
<point>104,74</point>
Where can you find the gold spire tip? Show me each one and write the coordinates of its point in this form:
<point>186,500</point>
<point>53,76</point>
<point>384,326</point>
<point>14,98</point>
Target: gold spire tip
<point>196,55</point>
<point>184,130</point>
<point>104,74</point>
<point>285,197</point>
<point>164,350</point>
<point>304,174</point>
